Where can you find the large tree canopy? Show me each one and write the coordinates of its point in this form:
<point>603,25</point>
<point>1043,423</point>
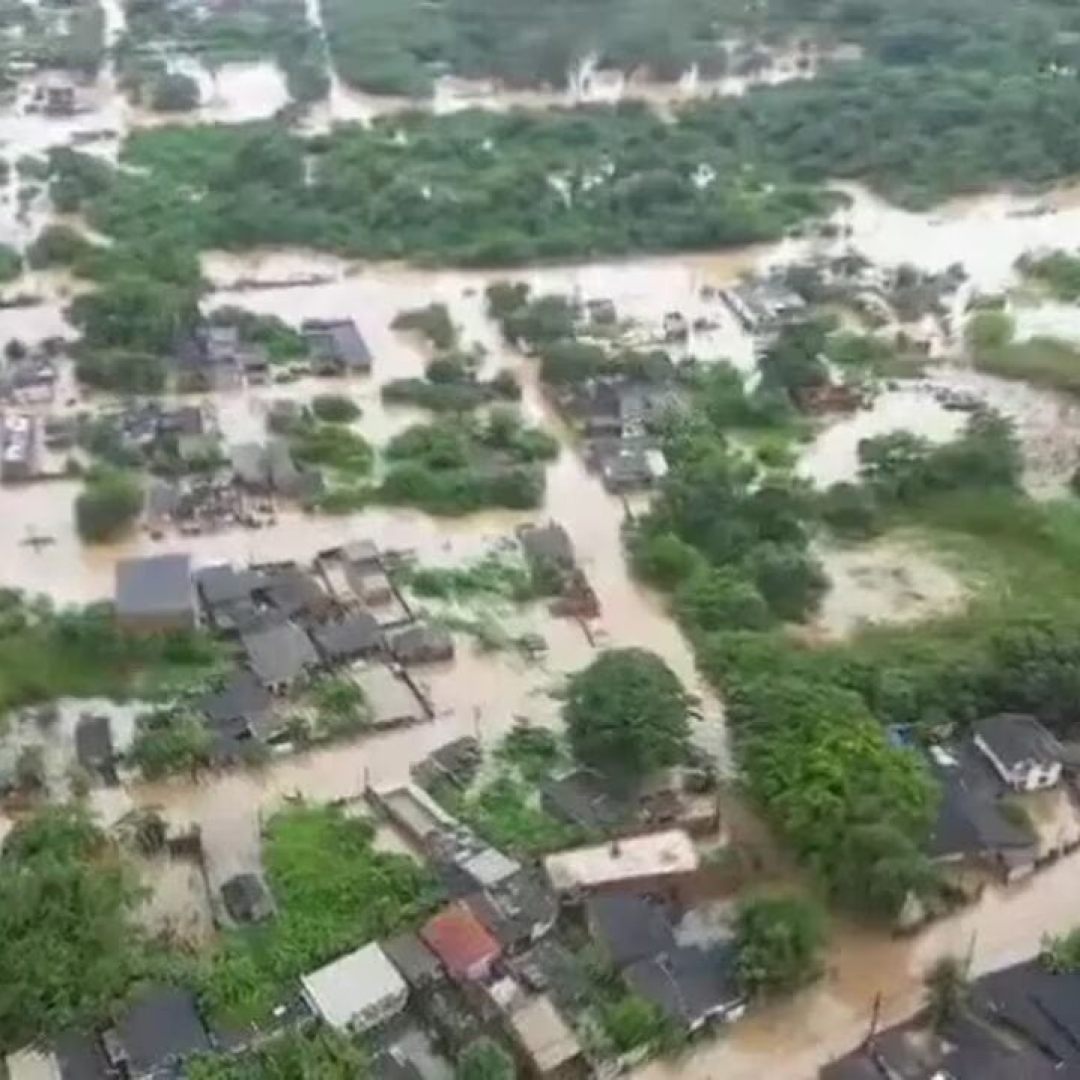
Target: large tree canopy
<point>67,949</point>
<point>627,712</point>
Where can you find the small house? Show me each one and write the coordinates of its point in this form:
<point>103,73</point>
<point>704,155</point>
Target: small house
<point>155,594</point>
<point>81,1057</point>
<point>629,928</point>
<point>357,635</point>
<point>418,965</point>
<point>254,361</point>
<point>657,862</point>
<point>517,910</point>
<point>156,1033</point>
<point>690,985</point>
<point>336,347</point>
<point>1023,753</point>
<point>280,655</point>
<point>422,644</point>
<point>461,942</point>
<point>391,699</point>
<point>18,447</point>
<point>357,991</point>
<point>544,1039</point>
<point>94,747</point>
<point>242,709</point>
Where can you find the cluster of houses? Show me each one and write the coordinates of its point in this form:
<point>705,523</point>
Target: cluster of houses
<point>1018,1023</point>
<point>288,625</point>
<point>218,354</point>
<point>1004,810</point>
<point>500,956</point>
<point>505,943</point>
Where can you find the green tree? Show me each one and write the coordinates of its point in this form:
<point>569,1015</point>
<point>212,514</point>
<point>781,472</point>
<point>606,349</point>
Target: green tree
<point>791,580</point>
<point>631,1022</point>
<point>990,330</point>
<point>714,600</point>
<point>485,1059</point>
<point>108,505</point>
<point>174,92</point>
<point>779,941</point>
<point>627,713</point>
<point>66,944</point>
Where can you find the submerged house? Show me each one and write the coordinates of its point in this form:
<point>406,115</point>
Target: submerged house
<point>336,347</point>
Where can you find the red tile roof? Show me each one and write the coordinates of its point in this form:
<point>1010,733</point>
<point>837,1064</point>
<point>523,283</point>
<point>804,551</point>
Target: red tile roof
<point>459,939</point>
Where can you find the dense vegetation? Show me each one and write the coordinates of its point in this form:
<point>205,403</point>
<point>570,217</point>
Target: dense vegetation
<point>333,892</point>
<point>323,1054</point>
<point>108,505</point>
<point>456,467</point>
<point>275,28</point>
<point>67,942</point>
<point>48,652</point>
<point>627,713</point>
<point>779,941</point>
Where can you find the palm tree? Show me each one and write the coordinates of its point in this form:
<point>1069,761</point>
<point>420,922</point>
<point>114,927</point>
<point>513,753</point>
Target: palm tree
<point>947,988</point>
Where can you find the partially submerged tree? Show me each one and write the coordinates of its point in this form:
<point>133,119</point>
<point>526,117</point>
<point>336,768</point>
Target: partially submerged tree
<point>779,941</point>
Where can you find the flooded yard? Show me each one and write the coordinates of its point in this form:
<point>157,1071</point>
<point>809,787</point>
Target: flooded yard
<point>885,582</point>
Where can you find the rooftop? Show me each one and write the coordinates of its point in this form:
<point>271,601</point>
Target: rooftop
<point>160,1027</point>
<point>279,654</point>
<point>352,984</point>
<point>662,854</point>
<point>543,1034</point>
<point>629,928</point>
<point>416,962</point>
<point>355,635</point>
<point>688,984</point>
<point>158,585</point>
<point>1016,739</point>
<point>459,939</point>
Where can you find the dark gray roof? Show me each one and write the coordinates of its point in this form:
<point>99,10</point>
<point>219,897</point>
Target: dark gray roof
<point>629,928</point>
<point>584,798</point>
<point>356,635</point>
<point>547,542</point>
<point>1015,739</point>
<point>93,741</point>
<point>158,585</point>
<point>688,984</point>
<point>293,591</point>
<point>1042,1005</point>
<point>971,820</point>
<point>225,584</point>
<point>246,899</point>
<point>338,340</point>
<point>161,1026</point>
<point>80,1057</point>
<point>241,697</point>
<point>422,642</point>
<point>279,654</point>
<point>416,962</point>
<point>514,908</point>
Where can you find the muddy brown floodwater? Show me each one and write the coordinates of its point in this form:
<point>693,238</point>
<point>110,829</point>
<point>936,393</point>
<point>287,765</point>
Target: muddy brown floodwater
<point>483,693</point>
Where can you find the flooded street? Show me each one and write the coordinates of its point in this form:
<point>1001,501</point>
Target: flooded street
<point>482,693</point>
